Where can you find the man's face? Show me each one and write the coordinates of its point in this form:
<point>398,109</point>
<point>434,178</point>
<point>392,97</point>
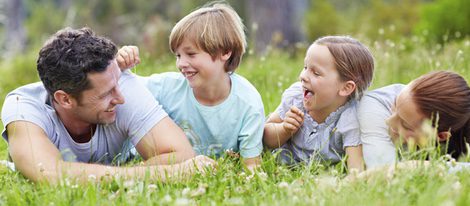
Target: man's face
<point>98,104</point>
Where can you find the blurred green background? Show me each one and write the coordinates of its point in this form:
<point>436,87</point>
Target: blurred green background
<point>407,37</point>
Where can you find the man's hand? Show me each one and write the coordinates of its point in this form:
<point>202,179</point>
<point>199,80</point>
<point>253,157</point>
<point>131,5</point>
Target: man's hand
<point>293,120</point>
<point>199,163</point>
<point>127,57</point>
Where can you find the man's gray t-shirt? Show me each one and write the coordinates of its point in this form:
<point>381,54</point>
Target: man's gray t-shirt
<point>134,119</point>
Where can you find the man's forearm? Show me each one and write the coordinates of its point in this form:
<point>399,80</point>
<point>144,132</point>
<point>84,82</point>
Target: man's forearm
<point>170,158</point>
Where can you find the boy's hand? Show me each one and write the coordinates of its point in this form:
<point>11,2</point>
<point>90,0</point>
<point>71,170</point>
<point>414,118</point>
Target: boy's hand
<point>127,57</point>
<point>293,120</point>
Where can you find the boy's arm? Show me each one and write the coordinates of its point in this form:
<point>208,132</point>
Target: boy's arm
<point>39,160</point>
<point>355,160</point>
<point>127,57</point>
<point>278,131</point>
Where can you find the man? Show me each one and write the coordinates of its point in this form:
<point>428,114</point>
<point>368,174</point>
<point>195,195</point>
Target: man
<point>76,122</point>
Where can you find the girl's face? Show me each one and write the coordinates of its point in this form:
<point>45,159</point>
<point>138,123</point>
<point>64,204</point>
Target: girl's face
<point>321,82</point>
<point>406,120</point>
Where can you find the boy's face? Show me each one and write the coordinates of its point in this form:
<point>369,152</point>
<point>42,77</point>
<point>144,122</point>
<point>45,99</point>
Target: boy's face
<point>320,81</point>
<point>199,68</point>
<point>98,104</point>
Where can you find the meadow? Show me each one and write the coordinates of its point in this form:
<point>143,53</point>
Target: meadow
<point>397,61</point>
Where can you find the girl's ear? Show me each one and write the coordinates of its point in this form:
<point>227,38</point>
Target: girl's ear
<point>347,89</point>
<point>443,136</point>
<point>226,56</point>
<point>63,99</point>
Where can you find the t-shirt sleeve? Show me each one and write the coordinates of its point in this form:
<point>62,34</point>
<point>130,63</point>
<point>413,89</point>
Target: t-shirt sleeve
<point>140,112</point>
<point>18,107</point>
<point>378,149</point>
<point>251,134</point>
<point>291,96</point>
<point>155,84</point>
<point>348,125</point>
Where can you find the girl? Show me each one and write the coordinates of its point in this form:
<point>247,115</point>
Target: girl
<point>317,116</point>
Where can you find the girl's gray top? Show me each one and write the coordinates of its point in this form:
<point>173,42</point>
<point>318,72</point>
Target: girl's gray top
<point>321,141</point>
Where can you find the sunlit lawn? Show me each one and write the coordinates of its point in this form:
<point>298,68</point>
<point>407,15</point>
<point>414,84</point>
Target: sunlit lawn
<point>313,184</point>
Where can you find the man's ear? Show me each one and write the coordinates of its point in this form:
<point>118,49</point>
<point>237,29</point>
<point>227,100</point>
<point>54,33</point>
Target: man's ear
<point>443,136</point>
<point>347,89</point>
<point>226,56</point>
<point>63,99</point>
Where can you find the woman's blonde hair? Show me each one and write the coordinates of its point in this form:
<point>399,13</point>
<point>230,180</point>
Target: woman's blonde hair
<point>216,29</point>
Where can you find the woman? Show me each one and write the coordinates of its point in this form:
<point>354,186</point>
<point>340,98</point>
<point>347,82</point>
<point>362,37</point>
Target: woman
<point>396,114</point>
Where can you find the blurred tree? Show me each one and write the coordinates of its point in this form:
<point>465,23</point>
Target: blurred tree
<point>15,38</point>
<point>275,22</point>
<point>444,20</point>
<point>321,20</point>
<point>391,19</point>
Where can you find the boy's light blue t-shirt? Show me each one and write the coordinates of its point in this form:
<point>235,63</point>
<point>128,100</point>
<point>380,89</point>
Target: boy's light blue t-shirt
<point>235,124</point>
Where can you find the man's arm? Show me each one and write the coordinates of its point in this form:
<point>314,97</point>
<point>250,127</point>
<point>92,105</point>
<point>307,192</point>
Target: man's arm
<point>165,143</point>
<point>155,136</point>
<point>39,160</point>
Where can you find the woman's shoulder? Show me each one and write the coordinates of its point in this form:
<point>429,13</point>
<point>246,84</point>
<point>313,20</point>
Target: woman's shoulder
<point>382,96</point>
<point>348,117</point>
<point>385,92</point>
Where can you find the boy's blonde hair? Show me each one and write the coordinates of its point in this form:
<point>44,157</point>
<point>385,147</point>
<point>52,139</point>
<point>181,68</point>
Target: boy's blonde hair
<point>216,29</point>
<point>353,61</point>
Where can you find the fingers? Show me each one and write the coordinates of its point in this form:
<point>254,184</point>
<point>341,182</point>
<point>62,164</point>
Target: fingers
<point>297,111</point>
<point>128,56</point>
<point>293,120</point>
<point>200,164</point>
<point>204,161</point>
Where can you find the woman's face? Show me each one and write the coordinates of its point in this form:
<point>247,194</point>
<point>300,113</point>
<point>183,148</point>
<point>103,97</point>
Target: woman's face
<point>407,120</point>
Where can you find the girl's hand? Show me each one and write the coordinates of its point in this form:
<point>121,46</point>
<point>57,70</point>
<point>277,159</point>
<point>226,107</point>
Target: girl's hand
<point>127,57</point>
<point>293,120</point>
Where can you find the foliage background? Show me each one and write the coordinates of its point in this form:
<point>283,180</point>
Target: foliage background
<point>407,38</point>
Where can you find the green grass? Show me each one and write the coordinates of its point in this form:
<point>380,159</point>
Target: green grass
<point>312,184</point>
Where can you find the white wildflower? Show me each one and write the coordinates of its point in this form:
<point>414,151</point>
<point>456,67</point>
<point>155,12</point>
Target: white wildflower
<point>185,191</point>
<point>283,185</point>
<point>152,187</point>
<point>167,198</point>
<point>182,201</point>
<point>91,177</point>
<point>262,175</point>
<point>128,183</point>
<point>199,191</point>
<point>457,186</point>
<point>381,31</point>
